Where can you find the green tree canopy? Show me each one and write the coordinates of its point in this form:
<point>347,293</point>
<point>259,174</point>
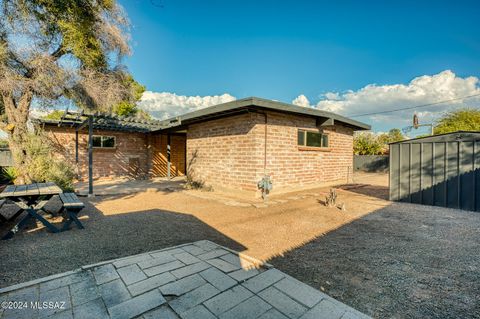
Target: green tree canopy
<point>367,143</point>
<point>123,108</point>
<point>129,107</point>
<point>394,135</point>
<point>467,119</point>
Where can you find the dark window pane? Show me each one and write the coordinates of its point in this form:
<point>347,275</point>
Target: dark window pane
<point>301,137</point>
<point>108,141</point>
<point>97,141</point>
<point>324,140</point>
<point>314,139</point>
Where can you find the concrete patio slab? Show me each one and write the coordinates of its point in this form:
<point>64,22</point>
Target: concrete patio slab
<point>123,186</point>
<point>180,286</point>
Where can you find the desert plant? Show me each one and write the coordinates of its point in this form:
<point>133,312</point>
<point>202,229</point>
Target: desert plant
<point>331,199</point>
<point>10,174</point>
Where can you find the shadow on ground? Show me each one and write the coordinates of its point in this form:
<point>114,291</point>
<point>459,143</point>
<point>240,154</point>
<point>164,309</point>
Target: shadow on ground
<point>37,253</point>
<point>377,191</point>
<point>401,261</point>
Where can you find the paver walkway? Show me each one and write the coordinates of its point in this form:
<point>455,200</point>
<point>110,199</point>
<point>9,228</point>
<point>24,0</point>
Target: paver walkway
<point>201,280</point>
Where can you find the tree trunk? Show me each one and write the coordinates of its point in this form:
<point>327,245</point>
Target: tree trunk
<point>17,115</point>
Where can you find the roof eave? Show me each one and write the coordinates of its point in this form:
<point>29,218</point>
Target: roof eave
<point>266,104</point>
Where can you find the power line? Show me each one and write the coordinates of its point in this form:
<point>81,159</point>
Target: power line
<point>415,107</point>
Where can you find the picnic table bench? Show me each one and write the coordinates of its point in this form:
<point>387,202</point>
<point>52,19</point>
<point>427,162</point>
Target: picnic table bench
<point>71,206</point>
<point>32,198</point>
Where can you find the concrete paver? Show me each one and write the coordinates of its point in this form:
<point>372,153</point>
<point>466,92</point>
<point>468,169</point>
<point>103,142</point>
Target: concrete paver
<point>181,286</point>
<point>131,274</point>
<point>114,292</point>
<point>227,299</point>
<point>105,274</point>
<point>218,278</point>
<point>200,280</point>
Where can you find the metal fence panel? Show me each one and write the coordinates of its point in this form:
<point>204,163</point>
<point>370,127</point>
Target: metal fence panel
<point>415,174</point>
<point>405,167</point>
<point>394,177</point>
<point>443,171</point>
<point>452,175</point>
<point>440,188</point>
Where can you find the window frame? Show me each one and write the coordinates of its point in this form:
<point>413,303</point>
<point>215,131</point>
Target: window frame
<point>102,137</point>
<point>309,147</point>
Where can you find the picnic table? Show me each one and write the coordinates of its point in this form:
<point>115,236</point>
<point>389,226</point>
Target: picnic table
<point>30,198</point>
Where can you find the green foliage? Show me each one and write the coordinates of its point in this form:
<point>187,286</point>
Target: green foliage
<point>54,115</point>
<point>394,135</point>
<point>367,143</point>
<point>129,107</point>
<point>10,174</point>
<point>75,22</point>
<point>43,166</point>
<point>51,50</point>
<point>467,119</point>
<point>125,108</point>
<point>3,143</point>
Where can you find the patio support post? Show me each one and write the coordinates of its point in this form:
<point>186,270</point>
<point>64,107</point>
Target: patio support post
<point>168,156</point>
<point>76,146</point>
<point>90,156</point>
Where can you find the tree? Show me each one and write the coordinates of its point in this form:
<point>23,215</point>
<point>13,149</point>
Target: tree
<point>52,51</point>
<point>129,107</point>
<point>394,135</point>
<point>123,108</point>
<point>466,119</point>
<point>367,143</point>
<point>54,115</point>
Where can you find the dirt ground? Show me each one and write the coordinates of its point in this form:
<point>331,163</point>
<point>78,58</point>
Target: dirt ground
<point>385,259</point>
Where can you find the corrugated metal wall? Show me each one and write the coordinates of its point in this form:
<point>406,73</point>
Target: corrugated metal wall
<point>439,173</point>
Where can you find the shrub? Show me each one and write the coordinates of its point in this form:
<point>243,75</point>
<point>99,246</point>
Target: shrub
<point>367,143</point>
<point>42,166</point>
<point>10,174</point>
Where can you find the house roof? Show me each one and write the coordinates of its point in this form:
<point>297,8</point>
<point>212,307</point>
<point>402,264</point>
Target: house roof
<point>251,104</point>
<point>109,122</point>
<point>255,103</point>
<point>457,136</point>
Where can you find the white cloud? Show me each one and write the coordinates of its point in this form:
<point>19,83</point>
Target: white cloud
<point>301,100</point>
<point>421,90</point>
<point>166,105</point>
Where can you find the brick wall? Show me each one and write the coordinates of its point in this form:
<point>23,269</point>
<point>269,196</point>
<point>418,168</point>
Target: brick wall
<point>229,152</point>
<point>128,158</point>
<point>223,152</point>
<point>292,166</point>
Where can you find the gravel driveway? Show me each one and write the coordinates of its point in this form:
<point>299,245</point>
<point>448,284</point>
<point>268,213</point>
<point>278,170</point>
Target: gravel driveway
<point>388,260</point>
<point>402,261</point>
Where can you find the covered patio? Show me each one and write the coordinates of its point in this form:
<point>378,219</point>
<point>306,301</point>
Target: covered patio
<point>116,155</point>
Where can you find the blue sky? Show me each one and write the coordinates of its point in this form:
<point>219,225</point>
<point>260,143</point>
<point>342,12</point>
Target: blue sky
<point>282,49</point>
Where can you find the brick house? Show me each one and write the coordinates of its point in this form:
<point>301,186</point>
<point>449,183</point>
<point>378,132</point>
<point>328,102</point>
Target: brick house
<point>229,146</point>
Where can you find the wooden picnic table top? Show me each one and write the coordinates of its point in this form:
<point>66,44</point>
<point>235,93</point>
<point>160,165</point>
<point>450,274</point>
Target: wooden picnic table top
<point>35,189</point>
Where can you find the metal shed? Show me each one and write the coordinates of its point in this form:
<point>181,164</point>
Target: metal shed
<point>441,170</point>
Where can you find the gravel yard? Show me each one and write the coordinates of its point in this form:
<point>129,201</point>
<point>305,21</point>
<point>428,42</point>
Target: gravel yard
<point>384,259</point>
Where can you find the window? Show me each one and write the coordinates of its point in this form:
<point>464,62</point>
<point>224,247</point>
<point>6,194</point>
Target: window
<point>104,141</point>
<point>312,139</point>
